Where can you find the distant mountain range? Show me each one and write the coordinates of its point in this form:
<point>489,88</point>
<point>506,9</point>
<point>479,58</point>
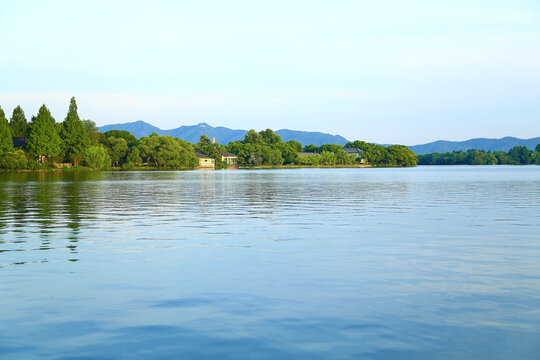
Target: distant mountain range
<point>503,144</point>
<point>223,135</point>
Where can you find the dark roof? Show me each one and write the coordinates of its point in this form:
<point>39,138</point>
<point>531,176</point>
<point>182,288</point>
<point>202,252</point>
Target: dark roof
<point>19,141</point>
<point>350,150</point>
<point>202,156</point>
<point>307,154</point>
<point>228,154</point>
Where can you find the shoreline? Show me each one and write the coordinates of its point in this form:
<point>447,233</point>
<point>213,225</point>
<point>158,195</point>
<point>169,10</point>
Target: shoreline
<point>72,170</point>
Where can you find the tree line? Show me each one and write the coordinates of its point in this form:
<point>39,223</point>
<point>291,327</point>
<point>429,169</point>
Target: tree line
<point>518,155</point>
<point>376,155</point>
<point>44,143</point>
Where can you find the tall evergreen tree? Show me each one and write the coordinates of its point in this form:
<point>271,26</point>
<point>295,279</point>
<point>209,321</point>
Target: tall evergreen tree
<point>74,136</point>
<point>18,123</point>
<point>44,139</point>
<point>6,143</point>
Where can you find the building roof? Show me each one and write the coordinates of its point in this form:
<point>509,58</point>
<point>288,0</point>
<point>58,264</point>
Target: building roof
<point>202,156</point>
<point>307,154</point>
<point>228,154</point>
<point>19,141</point>
<point>352,150</point>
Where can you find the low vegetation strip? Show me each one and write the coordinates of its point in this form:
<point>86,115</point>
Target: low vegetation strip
<point>518,155</point>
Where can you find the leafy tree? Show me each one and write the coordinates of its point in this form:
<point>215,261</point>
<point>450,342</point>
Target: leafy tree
<point>44,139</point>
<point>502,157</point>
<point>312,160</point>
<point>166,152</point>
<point>311,148</point>
<point>14,160</point>
<point>253,138</point>
<point>205,146</point>
<point>535,158</point>
<point>132,160</point>
<point>289,151</point>
<point>270,137</point>
<point>537,148</point>
<point>295,145</point>
<point>204,141</point>
<point>97,157</point>
<point>362,145</point>
<point>331,148</point>
<point>185,144</point>
<point>117,149</point>
<point>343,158</point>
<point>271,156</point>
<point>134,156</point>
<point>18,123</point>
<point>6,143</point>
<point>123,134</point>
<point>520,155</point>
<point>378,155</point>
<point>73,133</point>
<point>328,158</point>
<point>94,136</point>
<point>402,155</point>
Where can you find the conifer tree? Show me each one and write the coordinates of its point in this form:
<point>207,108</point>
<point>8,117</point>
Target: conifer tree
<point>18,123</point>
<point>44,139</point>
<point>6,143</point>
<point>74,136</point>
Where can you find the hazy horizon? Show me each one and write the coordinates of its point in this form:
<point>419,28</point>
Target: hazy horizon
<point>408,72</point>
<point>277,129</point>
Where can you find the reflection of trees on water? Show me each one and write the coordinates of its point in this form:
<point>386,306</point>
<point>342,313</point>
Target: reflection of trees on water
<point>45,205</point>
<point>78,196</point>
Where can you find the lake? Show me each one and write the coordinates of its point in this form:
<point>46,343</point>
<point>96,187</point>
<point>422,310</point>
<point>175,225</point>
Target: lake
<point>413,263</point>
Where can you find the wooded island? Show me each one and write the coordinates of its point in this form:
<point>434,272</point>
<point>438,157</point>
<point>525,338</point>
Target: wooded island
<point>43,143</point>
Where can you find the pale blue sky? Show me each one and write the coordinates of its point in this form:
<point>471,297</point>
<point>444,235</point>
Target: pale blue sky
<point>382,71</point>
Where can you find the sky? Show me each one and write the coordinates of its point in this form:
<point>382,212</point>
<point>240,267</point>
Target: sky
<point>383,71</point>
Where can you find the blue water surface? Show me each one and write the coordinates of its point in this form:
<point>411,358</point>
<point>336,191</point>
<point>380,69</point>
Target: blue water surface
<point>417,263</point>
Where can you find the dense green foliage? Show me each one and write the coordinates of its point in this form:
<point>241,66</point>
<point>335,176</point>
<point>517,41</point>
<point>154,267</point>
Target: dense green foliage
<point>117,148</point>
<point>14,160</point>
<point>264,148</point>
<point>44,139</point>
<point>74,136</point>
<point>94,136</point>
<point>133,159</point>
<point>518,155</point>
<point>376,155</point>
<point>6,144</point>
<point>123,134</point>
<point>18,123</point>
<point>166,152</point>
<point>97,157</point>
<point>74,140</point>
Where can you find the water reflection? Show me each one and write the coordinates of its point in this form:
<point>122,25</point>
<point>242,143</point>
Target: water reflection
<point>352,263</point>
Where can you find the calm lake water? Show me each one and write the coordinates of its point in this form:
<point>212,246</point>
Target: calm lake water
<point>420,263</point>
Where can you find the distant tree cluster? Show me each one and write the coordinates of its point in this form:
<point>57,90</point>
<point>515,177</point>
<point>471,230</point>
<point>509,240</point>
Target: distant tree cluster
<point>518,155</point>
<point>264,148</point>
<point>267,148</point>
<point>45,143</point>
<point>376,155</point>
